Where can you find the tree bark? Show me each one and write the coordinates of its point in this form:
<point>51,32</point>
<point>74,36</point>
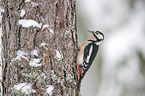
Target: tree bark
<point>39,56</point>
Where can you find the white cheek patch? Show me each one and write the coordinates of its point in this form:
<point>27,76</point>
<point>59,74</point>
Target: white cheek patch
<point>100,36</point>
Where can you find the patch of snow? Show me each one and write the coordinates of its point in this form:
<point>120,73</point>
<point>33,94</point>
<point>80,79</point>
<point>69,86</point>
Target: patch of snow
<point>28,75</point>
<point>43,75</point>
<point>2,10</point>
<point>41,18</point>
<point>24,88</point>
<point>34,4</point>
<point>27,0</point>
<point>49,89</point>
<point>35,63</point>
<point>67,32</point>
<point>19,86</point>
<point>21,54</point>
<point>58,55</point>
<point>28,23</point>
<point>53,75</point>
<point>22,12</point>
<point>34,52</point>
<point>45,26</point>
<point>33,91</point>
<point>42,44</point>
<point>51,31</point>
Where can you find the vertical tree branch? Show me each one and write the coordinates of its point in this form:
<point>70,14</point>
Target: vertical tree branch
<point>40,56</point>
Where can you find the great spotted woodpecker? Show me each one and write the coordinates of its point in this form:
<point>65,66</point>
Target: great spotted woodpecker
<point>87,53</point>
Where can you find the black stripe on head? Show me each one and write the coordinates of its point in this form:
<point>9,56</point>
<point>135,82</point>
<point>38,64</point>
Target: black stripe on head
<point>96,37</point>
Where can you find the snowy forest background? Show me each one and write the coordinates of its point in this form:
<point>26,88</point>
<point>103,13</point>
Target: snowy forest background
<point>119,69</point>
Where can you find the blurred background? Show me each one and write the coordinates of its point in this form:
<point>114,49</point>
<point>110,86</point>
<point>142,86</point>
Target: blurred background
<point>119,69</point>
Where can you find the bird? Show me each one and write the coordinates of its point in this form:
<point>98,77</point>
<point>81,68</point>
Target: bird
<point>87,54</point>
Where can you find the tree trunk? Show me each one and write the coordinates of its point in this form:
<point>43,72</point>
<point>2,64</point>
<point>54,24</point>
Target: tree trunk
<point>39,48</point>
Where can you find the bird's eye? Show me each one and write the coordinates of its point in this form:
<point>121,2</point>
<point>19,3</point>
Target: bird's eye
<point>97,33</point>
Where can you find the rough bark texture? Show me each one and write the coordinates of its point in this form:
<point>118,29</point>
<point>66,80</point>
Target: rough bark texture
<point>54,46</point>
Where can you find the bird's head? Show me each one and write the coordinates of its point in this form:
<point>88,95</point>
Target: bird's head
<point>98,35</point>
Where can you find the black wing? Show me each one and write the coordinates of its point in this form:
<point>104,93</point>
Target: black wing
<point>90,53</point>
<point>94,53</point>
<point>86,51</point>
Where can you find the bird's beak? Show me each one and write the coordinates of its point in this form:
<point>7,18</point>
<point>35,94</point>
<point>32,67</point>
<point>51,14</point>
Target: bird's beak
<point>92,32</point>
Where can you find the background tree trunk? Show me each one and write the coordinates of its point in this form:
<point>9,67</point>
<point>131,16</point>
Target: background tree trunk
<point>39,59</point>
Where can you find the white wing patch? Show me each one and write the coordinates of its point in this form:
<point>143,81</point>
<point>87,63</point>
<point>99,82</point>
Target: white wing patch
<point>90,52</point>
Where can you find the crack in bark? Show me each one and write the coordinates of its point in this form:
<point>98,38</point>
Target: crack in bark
<point>19,38</point>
